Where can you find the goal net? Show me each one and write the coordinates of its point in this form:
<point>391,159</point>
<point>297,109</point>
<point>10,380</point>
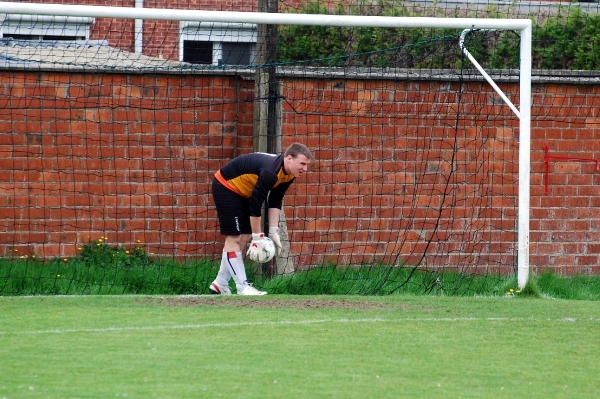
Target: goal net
<point>114,121</point>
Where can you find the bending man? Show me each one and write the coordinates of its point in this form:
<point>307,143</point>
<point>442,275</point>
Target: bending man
<point>239,190</point>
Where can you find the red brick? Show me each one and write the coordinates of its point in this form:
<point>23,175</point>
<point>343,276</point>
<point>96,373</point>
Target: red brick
<point>138,177</point>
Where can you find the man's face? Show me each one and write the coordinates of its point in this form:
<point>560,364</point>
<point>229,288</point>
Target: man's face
<point>297,166</point>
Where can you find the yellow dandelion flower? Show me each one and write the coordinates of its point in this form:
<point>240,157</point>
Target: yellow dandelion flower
<point>65,260</point>
<point>127,252</point>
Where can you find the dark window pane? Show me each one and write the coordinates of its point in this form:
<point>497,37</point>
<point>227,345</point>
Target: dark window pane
<point>197,52</point>
<point>22,37</point>
<point>236,53</point>
<point>45,37</point>
<point>53,37</point>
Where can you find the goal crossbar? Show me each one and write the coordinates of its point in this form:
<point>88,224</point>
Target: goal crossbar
<point>261,18</point>
<point>522,25</point>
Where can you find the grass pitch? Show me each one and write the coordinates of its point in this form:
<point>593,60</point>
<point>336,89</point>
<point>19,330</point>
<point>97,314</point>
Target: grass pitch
<point>298,347</point>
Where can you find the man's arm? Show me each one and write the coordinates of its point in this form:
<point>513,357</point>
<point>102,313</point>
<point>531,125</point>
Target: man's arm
<point>274,217</point>
<point>274,228</point>
<point>273,220</point>
<point>275,199</point>
<point>274,204</point>
<point>255,224</point>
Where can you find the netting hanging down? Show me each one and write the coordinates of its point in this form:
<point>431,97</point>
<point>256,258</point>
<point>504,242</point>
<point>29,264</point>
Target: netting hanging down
<point>109,154</point>
<point>417,166</point>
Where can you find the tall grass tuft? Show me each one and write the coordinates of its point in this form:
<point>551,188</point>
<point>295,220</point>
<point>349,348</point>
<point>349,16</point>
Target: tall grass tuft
<point>104,270</point>
<point>581,287</point>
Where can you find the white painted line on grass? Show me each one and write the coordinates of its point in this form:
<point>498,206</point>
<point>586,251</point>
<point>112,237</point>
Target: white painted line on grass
<point>288,322</point>
<point>258,323</point>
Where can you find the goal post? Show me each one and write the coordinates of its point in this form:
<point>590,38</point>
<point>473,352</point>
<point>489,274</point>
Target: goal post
<point>524,26</point>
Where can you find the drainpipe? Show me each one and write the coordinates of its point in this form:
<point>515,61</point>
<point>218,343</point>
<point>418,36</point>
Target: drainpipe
<point>138,30</point>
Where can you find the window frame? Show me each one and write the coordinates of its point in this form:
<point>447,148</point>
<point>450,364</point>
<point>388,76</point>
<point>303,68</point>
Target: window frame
<point>38,26</point>
<point>218,33</point>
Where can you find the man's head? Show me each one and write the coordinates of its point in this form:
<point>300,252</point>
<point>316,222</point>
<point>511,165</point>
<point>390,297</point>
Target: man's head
<point>296,159</point>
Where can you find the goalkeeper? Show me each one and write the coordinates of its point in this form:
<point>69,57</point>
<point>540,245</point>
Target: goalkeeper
<point>239,190</point>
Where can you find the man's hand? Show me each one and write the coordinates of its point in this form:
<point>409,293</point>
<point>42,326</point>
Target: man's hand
<point>274,235</point>
<point>256,237</point>
<point>255,244</point>
<point>257,251</point>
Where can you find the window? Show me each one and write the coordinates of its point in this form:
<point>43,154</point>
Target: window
<point>42,27</point>
<point>197,52</point>
<point>235,53</point>
<point>218,43</point>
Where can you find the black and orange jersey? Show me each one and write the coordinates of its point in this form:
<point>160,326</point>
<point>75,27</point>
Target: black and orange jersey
<point>257,176</point>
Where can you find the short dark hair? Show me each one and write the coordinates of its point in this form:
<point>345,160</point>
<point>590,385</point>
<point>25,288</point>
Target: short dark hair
<point>296,149</point>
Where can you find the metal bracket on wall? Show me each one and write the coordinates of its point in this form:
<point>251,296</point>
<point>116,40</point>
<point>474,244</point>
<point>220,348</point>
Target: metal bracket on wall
<point>547,159</point>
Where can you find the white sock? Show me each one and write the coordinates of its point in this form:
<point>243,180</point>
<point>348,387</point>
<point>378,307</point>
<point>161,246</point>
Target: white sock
<point>237,269</point>
<point>224,275</point>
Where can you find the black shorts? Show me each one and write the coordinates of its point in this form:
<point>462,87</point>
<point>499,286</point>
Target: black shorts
<point>232,209</point>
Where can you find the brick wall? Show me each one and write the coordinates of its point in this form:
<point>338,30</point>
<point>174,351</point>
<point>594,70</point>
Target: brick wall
<point>565,224</point>
<point>398,175</point>
<point>127,157</point>
<point>130,157</point>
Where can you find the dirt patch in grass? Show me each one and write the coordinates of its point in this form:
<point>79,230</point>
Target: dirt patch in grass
<point>269,303</point>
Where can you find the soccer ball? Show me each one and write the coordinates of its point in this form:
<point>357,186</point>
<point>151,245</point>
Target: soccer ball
<point>262,251</point>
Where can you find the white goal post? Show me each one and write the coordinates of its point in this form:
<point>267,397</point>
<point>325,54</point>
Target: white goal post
<point>522,25</point>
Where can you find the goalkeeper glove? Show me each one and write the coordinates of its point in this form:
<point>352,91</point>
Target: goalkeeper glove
<point>262,249</point>
<point>255,244</point>
<point>274,235</point>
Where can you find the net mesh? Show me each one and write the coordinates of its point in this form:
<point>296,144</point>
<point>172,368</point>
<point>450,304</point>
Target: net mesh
<point>108,154</point>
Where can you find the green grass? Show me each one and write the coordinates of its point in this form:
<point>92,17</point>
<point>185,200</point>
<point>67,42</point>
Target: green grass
<point>82,276</point>
<point>282,346</point>
<point>102,269</point>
